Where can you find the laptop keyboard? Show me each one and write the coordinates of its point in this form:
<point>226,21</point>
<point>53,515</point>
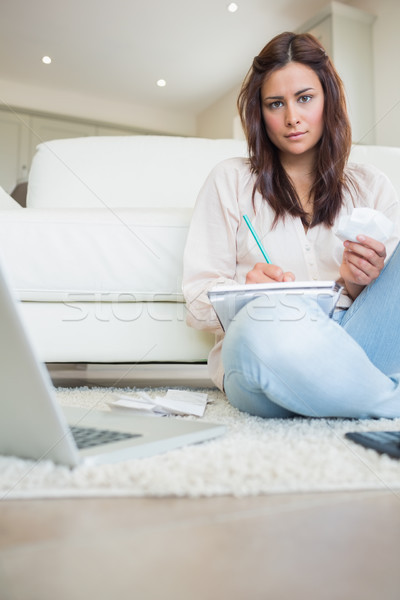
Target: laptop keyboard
<point>87,437</point>
<point>384,442</point>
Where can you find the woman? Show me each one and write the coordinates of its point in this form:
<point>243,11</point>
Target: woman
<point>294,187</point>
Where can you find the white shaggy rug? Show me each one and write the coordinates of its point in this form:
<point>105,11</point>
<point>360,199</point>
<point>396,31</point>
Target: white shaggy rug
<point>255,456</point>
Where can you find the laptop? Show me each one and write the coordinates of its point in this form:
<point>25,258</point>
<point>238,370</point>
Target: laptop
<point>228,300</point>
<point>34,426</point>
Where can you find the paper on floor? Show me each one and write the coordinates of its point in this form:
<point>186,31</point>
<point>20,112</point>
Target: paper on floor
<point>175,402</point>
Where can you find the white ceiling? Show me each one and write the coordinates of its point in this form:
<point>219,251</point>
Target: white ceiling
<point>118,49</point>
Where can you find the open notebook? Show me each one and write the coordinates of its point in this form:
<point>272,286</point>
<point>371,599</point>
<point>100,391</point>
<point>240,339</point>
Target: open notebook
<point>228,300</point>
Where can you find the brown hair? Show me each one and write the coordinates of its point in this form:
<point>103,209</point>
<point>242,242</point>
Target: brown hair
<point>334,147</point>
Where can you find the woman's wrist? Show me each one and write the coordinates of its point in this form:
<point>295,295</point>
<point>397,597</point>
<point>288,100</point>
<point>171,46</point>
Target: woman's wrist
<point>353,289</point>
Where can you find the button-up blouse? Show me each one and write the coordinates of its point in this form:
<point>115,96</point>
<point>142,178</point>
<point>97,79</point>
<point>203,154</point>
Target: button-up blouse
<point>220,249</point>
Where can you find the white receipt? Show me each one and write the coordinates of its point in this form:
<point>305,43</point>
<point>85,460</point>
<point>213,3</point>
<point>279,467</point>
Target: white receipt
<point>175,402</point>
<point>367,221</point>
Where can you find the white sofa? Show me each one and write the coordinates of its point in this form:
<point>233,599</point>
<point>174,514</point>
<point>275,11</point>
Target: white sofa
<point>96,257</point>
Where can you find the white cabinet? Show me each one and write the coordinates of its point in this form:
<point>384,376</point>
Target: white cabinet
<point>14,155</point>
<point>346,34</point>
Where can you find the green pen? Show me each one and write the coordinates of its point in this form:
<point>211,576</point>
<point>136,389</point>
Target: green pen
<point>257,239</point>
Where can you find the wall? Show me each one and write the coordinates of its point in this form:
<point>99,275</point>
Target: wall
<point>386,68</point>
<point>73,104</point>
<point>386,79</point>
<point>217,121</point>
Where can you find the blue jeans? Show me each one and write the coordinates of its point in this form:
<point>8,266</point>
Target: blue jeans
<point>292,359</point>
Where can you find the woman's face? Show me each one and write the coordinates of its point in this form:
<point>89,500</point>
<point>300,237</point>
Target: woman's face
<point>292,106</point>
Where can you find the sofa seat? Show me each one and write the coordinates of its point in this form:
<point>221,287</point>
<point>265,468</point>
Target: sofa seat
<point>114,332</point>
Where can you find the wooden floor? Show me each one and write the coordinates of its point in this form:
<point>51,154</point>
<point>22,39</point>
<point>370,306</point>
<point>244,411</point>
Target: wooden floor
<point>331,546</point>
<point>303,547</point>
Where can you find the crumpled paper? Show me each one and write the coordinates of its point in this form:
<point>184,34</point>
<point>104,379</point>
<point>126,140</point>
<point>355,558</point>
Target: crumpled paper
<point>364,221</point>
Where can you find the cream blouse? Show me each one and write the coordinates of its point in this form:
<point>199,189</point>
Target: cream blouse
<point>221,251</point>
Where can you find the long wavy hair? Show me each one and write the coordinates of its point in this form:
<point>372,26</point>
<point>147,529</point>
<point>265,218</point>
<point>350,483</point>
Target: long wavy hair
<point>272,182</point>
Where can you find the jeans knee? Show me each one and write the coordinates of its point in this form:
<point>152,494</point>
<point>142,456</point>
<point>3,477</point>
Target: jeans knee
<point>277,332</point>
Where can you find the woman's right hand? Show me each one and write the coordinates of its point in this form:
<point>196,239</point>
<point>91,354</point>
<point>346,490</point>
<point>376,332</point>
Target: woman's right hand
<point>265,273</point>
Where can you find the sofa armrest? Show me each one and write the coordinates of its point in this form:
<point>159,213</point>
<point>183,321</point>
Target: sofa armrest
<point>7,202</point>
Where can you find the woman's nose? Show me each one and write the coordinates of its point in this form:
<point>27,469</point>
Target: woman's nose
<point>292,118</point>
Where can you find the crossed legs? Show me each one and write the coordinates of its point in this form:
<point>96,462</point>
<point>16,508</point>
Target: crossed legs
<point>292,359</point>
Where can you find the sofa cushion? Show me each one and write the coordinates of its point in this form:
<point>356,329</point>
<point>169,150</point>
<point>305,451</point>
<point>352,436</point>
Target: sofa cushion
<point>131,171</point>
<point>95,254</point>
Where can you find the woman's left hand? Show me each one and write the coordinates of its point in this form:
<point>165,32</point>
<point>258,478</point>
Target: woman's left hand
<point>362,263</point>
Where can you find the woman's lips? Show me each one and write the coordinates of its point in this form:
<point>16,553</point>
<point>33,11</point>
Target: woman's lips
<point>295,135</point>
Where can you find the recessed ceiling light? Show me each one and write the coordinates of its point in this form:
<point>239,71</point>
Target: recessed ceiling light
<point>232,7</point>
<point>161,83</point>
<point>46,60</point>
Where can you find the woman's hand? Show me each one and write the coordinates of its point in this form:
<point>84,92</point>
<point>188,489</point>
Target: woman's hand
<point>265,273</point>
<point>362,263</point>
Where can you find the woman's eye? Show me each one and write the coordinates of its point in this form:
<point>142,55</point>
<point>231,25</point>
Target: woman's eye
<point>305,99</point>
<point>276,104</point>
